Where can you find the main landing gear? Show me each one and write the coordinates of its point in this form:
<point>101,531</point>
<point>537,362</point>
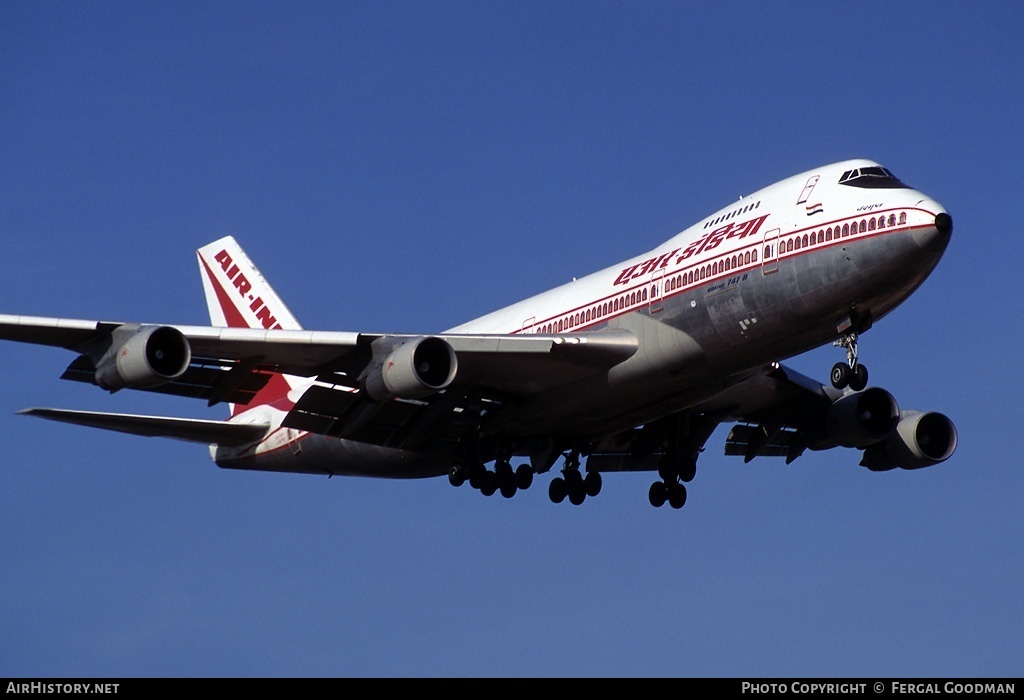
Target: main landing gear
<point>850,373</point>
<point>673,472</point>
<point>487,482</point>
<point>573,484</point>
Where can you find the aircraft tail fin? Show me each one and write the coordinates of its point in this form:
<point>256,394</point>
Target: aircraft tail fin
<point>237,294</point>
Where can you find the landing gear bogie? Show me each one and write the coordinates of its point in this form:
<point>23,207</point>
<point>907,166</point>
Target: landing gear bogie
<point>503,478</point>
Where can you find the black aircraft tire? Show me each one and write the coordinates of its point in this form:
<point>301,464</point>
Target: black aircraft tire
<point>524,477</point>
<point>457,475</point>
<point>557,490</point>
<point>677,496</point>
<point>859,378</point>
<point>840,375</point>
<point>489,484</point>
<point>688,471</point>
<point>658,494</point>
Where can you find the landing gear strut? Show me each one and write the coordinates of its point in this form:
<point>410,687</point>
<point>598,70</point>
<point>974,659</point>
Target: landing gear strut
<point>572,483</point>
<point>850,373</point>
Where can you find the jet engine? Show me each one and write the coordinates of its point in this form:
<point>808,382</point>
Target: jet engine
<point>862,418</point>
<point>416,368</point>
<point>148,357</point>
<point>921,439</point>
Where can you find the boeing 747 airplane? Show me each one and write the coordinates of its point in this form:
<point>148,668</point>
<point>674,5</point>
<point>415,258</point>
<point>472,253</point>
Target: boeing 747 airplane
<point>628,369</point>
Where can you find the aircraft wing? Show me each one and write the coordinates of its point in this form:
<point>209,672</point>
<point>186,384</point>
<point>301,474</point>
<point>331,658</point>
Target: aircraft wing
<point>188,429</point>
<point>232,364</point>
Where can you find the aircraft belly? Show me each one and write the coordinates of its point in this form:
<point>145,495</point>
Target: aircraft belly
<point>309,453</point>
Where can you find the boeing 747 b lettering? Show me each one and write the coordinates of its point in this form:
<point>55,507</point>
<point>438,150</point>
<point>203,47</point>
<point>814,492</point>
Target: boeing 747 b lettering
<point>628,369</point>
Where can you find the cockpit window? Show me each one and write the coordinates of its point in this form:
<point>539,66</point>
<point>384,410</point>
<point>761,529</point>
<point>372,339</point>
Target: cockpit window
<point>873,177</point>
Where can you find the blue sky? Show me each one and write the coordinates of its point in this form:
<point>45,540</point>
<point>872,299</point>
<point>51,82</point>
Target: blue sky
<point>407,166</point>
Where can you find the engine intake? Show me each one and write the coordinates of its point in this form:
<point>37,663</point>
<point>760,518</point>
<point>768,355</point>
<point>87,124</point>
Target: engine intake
<point>863,418</point>
<point>922,439</point>
<point>148,357</point>
<point>412,370</point>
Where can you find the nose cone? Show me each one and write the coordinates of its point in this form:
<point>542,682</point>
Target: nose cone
<point>935,237</point>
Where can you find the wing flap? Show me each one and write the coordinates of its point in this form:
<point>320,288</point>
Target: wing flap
<point>188,429</point>
<point>398,423</point>
<point>212,380</point>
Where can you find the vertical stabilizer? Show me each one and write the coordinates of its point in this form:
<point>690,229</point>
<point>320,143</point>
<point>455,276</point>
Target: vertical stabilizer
<point>237,295</point>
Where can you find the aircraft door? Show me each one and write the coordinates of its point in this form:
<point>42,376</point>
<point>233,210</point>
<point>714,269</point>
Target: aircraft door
<point>657,291</point>
<point>808,188</point>
<point>770,252</point>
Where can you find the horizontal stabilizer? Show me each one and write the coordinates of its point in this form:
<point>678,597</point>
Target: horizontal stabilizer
<point>190,429</point>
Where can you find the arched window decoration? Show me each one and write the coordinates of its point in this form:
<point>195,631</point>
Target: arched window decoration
<point>796,243</point>
<point>828,234</point>
<point>871,224</point>
<point>753,256</point>
<point>689,277</point>
<point>881,222</point>
<point>588,316</point>
<point>714,268</point>
<point>846,230</point>
<point>863,226</point>
<point>746,258</point>
<point>654,290</point>
<point>805,240</point>
<point>767,251</point>
<point>892,219</point>
<point>903,217</point>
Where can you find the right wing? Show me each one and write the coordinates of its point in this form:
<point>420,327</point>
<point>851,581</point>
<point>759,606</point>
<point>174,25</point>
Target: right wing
<point>358,373</point>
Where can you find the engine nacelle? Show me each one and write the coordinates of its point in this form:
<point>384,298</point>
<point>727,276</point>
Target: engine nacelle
<point>414,369</point>
<point>863,417</point>
<point>150,356</point>
<point>921,439</point>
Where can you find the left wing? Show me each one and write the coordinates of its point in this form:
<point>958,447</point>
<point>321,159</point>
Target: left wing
<point>188,429</point>
<point>781,413</point>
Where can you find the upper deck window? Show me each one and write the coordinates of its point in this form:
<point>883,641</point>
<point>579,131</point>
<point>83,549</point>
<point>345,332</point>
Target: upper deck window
<point>874,177</point>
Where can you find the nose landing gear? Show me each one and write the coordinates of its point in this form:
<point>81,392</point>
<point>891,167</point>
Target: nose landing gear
<point>851,373</point>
